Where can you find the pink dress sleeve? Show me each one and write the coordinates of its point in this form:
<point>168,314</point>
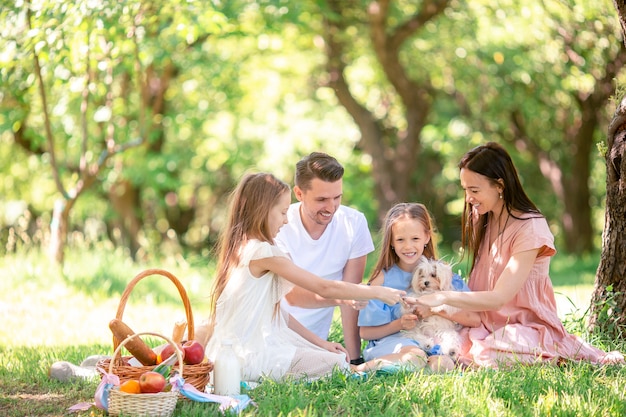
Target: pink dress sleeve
<point>532,234</point>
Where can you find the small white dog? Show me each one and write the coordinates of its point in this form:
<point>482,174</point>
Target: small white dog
<point>430,276</point>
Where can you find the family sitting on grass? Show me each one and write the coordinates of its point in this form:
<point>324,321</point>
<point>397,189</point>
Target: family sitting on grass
<point>507,311</point>
<point>509,315</point>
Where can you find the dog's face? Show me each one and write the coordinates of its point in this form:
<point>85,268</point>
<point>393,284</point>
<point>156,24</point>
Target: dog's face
<point>431,275</point>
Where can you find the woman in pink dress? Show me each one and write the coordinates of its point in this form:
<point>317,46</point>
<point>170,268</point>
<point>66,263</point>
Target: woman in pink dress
<point>511,245</point>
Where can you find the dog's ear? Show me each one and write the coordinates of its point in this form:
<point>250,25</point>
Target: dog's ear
<point>444,272</point>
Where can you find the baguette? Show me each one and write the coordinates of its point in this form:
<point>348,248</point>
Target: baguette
<point>135,346</point>
<point>179,331</point>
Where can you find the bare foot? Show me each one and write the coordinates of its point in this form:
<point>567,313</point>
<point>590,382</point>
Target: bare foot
<point>612,358</point>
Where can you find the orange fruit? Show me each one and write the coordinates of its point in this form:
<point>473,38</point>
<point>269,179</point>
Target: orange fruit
<point>131,387</point>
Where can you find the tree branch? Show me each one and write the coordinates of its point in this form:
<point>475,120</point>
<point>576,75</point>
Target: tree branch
<point>46,113</point>
<point>429,10</point>
<point>387,49</point>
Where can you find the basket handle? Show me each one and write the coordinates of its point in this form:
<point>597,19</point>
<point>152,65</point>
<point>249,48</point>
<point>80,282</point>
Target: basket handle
<point>132,336</point>
<point>181,291</point>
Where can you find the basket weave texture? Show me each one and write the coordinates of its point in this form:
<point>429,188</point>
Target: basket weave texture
<point>197,375</point>
<point>161,404</point>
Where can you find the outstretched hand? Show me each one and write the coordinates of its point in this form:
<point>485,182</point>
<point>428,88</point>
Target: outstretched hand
<point>356,304</point>
<point>432,300</point>
<point>422,311</point>
<point>429,300</point>
<point>419,310</point>
<point>389,296</point>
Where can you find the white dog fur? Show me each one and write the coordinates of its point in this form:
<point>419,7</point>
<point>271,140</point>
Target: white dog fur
<point>430,276</point>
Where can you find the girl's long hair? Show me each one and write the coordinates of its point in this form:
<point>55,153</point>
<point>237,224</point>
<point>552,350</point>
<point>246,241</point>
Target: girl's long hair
<point>388,256</point>
<point>250,204</point>
<point>492,161</point>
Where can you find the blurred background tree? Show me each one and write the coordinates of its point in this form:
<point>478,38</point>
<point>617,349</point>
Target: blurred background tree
<point>447,75</point>
<point>155,109</point>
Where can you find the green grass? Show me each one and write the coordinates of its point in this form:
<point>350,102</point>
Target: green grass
<point>50,315</point>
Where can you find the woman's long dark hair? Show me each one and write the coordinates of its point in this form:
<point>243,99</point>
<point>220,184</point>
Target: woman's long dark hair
<point>493,162</point>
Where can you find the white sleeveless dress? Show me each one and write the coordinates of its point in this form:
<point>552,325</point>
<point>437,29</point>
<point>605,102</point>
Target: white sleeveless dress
<point>248,312</point>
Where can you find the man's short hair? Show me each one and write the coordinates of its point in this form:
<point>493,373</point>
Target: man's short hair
<point>317,165</point>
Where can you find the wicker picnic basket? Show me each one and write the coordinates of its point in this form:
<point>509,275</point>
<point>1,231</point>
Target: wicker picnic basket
<point>196,375</point>
<point>161,404</point>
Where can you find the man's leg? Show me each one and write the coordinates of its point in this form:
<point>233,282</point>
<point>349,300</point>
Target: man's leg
<point>351,337</point>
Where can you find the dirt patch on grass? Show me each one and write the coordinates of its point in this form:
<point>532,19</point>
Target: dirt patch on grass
<point>30,400</point>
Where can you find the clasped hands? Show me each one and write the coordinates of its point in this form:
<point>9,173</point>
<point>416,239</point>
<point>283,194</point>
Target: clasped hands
<point>428,300</point>
<point>422,306</point>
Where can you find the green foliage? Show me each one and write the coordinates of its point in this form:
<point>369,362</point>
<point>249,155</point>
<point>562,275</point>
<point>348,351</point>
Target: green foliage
<point>527,90</point>
<point>568,269</point>
<point>609,312</point>
<point>245,89</point>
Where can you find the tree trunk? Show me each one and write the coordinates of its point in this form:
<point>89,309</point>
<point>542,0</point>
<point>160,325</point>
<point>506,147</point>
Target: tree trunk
<point>124,198</point>
<point>58,230</point>
<point>608,302</point>
<point>397,155</point>
<point>576,221</point>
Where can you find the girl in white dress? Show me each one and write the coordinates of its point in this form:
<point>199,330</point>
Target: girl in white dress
<point>252,277</point>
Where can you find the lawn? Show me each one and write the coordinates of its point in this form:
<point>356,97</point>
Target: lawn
<point>49,316</point>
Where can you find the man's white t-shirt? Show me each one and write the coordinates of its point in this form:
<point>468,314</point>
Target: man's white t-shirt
<point>347,236</point>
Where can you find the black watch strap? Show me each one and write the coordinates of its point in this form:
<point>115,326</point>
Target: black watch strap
<point>357,361</point>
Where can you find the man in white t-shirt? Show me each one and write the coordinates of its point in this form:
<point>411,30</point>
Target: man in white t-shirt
<point>328,239</point>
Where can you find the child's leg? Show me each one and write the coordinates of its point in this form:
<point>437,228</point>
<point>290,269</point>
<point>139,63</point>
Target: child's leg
<point>440,363</point>
<point>409,355</point>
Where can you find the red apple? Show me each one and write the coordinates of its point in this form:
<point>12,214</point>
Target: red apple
<point>168,351</point>
<point>151,382</point>
<point>194,352</point>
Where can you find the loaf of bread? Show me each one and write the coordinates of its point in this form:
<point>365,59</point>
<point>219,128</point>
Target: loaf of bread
<point>135,346</point>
